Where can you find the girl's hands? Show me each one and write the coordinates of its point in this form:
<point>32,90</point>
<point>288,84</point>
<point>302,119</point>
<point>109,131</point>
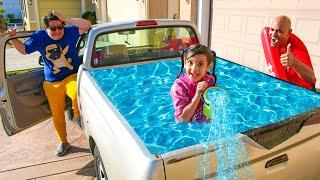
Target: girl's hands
<point>201,86</point>
<point>191,108</point>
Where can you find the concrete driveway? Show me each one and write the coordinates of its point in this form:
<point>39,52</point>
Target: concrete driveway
<point>30,154</point>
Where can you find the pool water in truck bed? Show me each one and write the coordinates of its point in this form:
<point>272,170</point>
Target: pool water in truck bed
<point>141,93</point>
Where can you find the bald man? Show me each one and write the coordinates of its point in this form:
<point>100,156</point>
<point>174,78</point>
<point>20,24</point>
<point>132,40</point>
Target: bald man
<point>296,60</point>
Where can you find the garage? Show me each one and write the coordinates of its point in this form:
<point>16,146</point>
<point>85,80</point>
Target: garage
<point>70,8</point>
<point>233,29</point>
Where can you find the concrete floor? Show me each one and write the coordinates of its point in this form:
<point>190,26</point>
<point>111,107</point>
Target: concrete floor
<point>30,154</point>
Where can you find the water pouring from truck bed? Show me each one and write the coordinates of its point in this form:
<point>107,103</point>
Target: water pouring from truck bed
<point>230,152</point>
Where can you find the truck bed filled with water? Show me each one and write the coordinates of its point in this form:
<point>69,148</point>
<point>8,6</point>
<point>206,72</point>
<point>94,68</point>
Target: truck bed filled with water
<point>141,94</point>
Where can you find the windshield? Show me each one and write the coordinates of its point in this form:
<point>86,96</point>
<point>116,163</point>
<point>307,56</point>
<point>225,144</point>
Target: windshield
<point>138,45</point>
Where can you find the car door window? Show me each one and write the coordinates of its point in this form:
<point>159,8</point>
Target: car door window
<point>18,63</point>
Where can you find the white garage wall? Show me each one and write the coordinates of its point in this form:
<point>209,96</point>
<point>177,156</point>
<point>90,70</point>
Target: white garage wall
<point>124,10</point>
<point>173,8</point>
<point>236,27</point>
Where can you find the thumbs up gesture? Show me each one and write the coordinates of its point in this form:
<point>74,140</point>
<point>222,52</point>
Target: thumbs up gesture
<point>287,58</point>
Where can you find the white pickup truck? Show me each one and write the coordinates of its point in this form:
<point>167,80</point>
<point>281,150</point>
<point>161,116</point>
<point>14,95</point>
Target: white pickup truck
<point>123,92</point>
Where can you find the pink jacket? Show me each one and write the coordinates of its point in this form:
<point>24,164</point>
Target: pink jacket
<point>182,92</point>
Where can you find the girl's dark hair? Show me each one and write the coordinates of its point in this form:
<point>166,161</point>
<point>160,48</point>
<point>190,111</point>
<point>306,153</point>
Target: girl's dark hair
<point>194,50</point>
<point>50,17</point>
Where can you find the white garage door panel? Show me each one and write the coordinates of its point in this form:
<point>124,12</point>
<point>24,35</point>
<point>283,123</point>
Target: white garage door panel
<point>236,27</point>
<point>130,10</point>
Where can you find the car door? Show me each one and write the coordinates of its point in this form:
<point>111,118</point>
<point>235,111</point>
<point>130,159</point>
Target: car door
<point>23,102</point>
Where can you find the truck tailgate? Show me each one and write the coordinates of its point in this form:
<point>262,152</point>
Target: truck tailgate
<point>300,151</point>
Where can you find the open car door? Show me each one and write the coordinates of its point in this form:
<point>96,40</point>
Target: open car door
<point>23,102</point>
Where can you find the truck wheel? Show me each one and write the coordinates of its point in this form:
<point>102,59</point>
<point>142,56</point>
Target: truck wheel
<point>98,165</point>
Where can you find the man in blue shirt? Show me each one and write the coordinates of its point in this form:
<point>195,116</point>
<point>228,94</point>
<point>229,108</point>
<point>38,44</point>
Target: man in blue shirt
<point>57,46</point>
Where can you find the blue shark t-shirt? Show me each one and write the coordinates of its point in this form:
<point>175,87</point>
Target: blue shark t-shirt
<point>60,56</point>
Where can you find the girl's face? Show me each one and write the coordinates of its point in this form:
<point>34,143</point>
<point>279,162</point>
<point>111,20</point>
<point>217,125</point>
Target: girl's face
<point>196,67</point>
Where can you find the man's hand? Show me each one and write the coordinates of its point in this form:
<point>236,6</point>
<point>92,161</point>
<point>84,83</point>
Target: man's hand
<point>16,42</point>
<point>59,15</point>
<point>305,72</point>
<point>11,32</point>
<point>83,24</point>
<point>287,58</point>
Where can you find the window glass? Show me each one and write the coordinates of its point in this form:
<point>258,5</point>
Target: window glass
<point>17,63</point>
<point>130,46</point>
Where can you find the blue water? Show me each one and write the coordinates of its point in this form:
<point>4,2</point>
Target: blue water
<point>141,95</point>
<point>230,150</point>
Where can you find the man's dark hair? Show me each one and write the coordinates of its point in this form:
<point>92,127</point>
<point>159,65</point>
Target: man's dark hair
<point>50,17</point>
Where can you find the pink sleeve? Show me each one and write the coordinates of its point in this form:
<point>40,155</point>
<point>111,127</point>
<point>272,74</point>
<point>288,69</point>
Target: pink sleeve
<point>210,79</point>
<point>180,98</point>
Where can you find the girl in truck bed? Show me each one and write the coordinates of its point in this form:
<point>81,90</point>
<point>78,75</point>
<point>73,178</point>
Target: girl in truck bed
<point>186,90</point>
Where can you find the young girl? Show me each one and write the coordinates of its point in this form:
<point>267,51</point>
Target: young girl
<point>197,60</point>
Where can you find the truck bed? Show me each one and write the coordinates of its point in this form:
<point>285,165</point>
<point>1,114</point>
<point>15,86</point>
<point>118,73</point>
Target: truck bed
<point>140,96</point>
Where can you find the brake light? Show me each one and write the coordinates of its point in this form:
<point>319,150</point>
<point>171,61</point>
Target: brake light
<point>147,23</point>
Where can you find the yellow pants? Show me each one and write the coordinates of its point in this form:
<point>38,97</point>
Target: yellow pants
<point>56,92</point>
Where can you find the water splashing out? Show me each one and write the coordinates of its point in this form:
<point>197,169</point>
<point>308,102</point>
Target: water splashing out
<point>231,156</point>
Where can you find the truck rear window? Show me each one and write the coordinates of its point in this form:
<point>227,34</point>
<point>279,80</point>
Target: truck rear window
<point>138,45</point>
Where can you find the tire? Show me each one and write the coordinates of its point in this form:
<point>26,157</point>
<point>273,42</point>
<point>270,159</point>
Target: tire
<point>98,165</point>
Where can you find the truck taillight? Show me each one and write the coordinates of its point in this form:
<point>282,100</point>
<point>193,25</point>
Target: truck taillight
<point>147,23</point>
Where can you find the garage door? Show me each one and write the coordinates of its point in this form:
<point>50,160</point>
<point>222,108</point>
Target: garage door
<point>236,27</point>
<point>69,8</point>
